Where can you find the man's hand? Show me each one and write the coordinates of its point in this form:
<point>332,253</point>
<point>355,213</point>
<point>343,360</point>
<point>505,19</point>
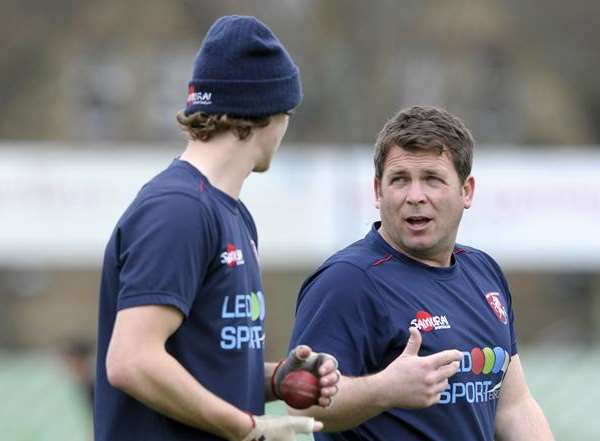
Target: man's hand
<point>417,382</point>
<point>322,365</point>
<point>409,381</point>
<point>281,428</point>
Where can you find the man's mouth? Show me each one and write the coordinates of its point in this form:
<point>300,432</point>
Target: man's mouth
<point>418,222</point>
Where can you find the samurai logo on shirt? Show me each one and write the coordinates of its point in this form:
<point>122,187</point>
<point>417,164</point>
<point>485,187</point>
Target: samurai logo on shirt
<point>232,257</point>
<point>493,299</point>
<point>426,322</point>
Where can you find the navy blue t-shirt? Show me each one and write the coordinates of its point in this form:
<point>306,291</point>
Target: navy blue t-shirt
<point>359,306</point>
<point>186,244</point>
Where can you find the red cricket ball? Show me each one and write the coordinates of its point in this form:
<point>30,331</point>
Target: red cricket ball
<point>300,389</point>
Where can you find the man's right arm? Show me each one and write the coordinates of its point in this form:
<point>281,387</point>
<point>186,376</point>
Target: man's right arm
<point>138,364</point>
<point>160,232</point>
<point>410,381</point>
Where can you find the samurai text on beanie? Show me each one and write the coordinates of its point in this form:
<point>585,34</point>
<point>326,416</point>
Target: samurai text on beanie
<point>242,69</point>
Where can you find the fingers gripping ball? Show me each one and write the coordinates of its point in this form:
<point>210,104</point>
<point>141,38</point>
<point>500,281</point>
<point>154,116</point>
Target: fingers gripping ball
<point>300,389</point>
<point>308,368</point>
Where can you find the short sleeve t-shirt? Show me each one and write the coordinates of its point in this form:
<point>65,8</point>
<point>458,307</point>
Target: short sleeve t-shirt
<point>359,306</point>
<point>185,244</point>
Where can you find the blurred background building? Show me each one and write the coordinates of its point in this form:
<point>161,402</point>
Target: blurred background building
<point>88,94</point>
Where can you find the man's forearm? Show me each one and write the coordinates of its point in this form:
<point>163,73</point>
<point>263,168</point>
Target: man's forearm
<point>522,421</point>
<point>357,400</point>
<point>161,383</point>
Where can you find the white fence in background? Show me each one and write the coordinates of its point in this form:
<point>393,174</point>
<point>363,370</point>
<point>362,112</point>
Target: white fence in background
<point>534,208</point>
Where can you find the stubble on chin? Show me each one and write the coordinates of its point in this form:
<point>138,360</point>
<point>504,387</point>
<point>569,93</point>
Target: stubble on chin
<point>261,168</point>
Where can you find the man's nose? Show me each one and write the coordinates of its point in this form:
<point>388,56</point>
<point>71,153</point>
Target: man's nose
<point>415,195</point>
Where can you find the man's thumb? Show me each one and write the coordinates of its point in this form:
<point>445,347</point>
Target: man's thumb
<point>302,352</point>
<point>304,424</point>
<point>414,342</point>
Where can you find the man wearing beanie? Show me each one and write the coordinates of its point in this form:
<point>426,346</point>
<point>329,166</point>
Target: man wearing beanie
<point>181,335</point>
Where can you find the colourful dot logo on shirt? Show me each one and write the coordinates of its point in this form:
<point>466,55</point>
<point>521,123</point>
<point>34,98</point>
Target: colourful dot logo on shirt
<point>257,306</point>
<point>488,366</point>
<point>484,361</point>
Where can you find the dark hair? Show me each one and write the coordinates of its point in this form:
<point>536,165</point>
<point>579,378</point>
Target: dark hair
<point>202,127</point>
<point>426,128</point>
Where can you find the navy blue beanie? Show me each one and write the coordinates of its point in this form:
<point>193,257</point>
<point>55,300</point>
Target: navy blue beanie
<point>242,69</point>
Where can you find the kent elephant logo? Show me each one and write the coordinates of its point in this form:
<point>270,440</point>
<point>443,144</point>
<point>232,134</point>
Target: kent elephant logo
<point>493,299</point>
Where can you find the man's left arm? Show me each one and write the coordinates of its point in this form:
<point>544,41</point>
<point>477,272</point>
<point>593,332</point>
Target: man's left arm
<point>519,417</point>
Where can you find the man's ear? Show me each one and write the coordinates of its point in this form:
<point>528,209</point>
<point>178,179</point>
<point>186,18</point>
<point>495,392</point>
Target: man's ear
<point>377,191</point>
<point>468,191</point>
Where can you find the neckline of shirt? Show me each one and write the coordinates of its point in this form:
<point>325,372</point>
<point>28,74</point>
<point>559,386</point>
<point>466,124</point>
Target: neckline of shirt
<point>231,203</point>
<point>435,271</point>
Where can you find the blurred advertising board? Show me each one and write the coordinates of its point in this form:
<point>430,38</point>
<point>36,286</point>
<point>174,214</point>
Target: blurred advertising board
<point>534,208</point>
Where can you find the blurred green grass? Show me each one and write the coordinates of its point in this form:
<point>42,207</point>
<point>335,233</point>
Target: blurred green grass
<point>41,402</point>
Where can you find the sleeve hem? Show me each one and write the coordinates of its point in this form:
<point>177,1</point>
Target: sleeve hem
<point>152,298</point>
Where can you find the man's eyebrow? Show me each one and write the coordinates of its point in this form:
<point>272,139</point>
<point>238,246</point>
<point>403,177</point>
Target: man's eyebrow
<point>434,171</point>
<point>398,171</point>
<point>426,171</point>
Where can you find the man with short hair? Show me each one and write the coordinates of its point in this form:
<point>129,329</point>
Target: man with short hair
<point>422,327</point>
<point>181,336</point>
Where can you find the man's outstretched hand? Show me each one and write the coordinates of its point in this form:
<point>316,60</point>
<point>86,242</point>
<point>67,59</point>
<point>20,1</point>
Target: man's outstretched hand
<point>415,382</point>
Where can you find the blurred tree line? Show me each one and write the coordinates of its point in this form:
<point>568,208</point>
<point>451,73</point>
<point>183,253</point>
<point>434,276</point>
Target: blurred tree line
<point>518,71</point>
